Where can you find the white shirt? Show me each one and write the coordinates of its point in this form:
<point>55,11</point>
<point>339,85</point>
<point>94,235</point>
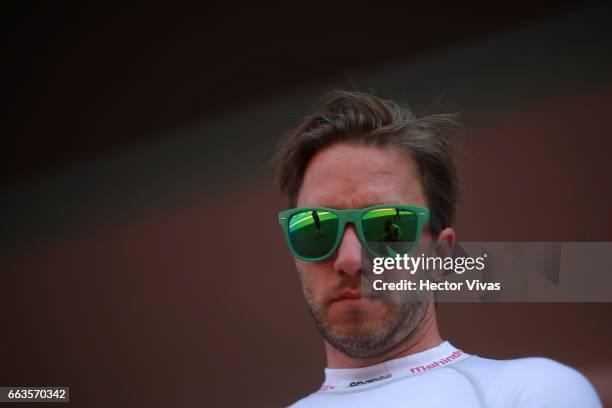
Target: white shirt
<point>444,376</point>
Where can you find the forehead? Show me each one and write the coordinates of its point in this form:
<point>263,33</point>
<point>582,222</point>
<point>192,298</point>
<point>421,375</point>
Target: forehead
<point>357,176</point>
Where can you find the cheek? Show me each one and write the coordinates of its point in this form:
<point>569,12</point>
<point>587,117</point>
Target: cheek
<point>314,276</point>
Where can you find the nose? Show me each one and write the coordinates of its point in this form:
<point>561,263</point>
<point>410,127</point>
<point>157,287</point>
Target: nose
<point>348,255</point>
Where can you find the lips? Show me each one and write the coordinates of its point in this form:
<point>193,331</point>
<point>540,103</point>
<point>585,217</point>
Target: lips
<point>347,295</point>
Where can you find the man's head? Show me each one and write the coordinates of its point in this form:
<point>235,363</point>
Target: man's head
<point>354,151</point>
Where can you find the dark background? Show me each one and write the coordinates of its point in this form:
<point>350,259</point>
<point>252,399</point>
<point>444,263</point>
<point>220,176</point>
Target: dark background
<point>141,263</point>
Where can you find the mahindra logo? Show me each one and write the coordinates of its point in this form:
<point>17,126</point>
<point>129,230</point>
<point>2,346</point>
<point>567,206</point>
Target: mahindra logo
<point>435,364</point>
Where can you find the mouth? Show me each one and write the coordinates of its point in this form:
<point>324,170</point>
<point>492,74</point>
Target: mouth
<point>353,299</point>
<point>348,295</point>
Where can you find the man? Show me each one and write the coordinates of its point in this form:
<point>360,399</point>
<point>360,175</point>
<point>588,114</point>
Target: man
<point>350,168</point>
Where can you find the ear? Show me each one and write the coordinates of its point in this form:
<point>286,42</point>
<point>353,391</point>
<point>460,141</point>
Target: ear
<point>445,242</point>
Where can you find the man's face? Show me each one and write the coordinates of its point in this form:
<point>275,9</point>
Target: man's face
<point>346,176</point>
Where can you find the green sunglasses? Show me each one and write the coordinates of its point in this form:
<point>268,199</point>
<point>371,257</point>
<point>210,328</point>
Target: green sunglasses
<point>314,233</point>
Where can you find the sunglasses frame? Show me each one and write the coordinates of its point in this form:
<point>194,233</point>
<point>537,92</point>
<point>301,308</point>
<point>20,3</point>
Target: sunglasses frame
<point>349,217</point>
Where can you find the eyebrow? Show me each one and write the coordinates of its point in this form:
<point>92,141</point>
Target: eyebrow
<point>367,204</point>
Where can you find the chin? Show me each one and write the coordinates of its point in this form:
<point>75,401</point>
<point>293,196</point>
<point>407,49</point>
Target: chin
<point>363,317</point>
<point>358,331</point>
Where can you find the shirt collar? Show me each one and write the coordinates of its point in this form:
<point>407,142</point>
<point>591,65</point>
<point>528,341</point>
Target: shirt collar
<point>344,379</point>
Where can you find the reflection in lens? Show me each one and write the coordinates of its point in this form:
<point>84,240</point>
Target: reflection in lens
<point>313,233</point>
<point>390,231</point>
<point>393,232</point>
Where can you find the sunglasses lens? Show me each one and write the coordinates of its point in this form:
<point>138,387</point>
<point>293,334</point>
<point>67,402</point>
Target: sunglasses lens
<point>390,231</point>
<point>312,234</point>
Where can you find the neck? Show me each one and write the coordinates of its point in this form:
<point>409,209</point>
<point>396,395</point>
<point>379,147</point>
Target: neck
<point>425,337</point>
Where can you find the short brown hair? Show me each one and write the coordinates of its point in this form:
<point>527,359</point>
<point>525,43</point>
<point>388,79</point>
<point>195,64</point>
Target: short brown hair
<point>362,118</point>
